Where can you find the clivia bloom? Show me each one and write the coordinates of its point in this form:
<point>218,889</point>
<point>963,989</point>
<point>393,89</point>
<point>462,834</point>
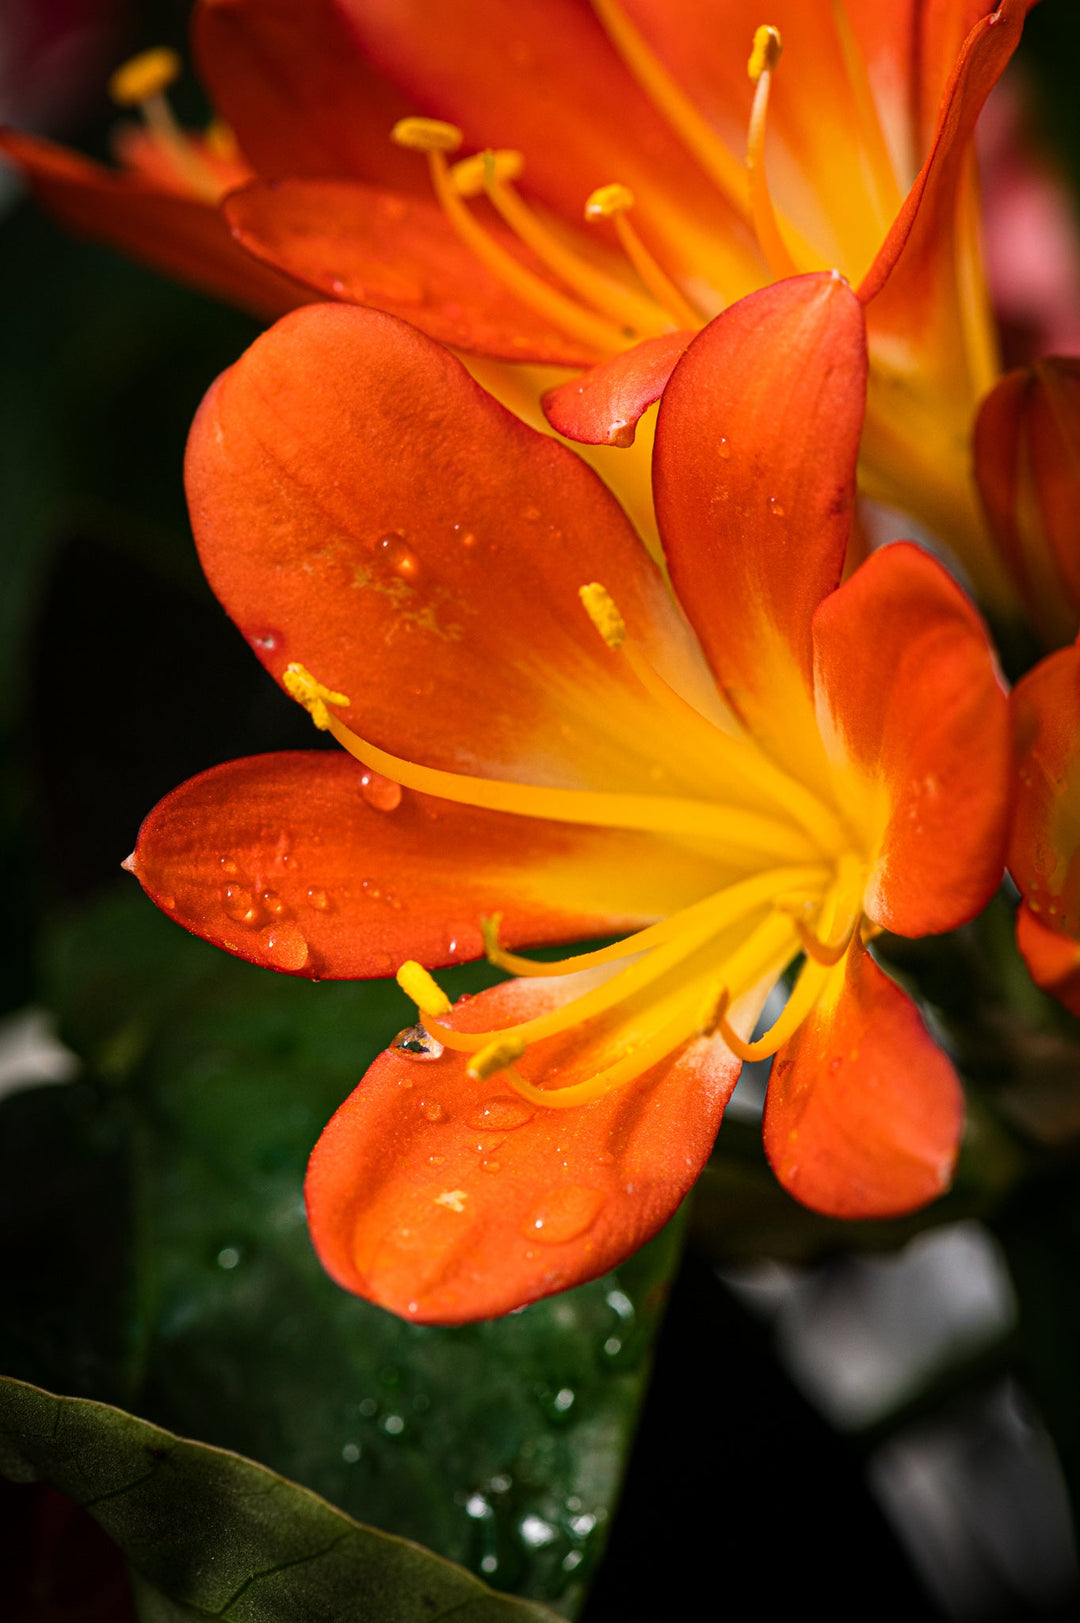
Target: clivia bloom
<point>850,150</point>
<point>733,768</point>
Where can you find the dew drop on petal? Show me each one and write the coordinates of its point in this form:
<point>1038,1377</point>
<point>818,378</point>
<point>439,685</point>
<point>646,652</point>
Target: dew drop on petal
<point>392,552</point>
<point>273,904</point>
<point>318,899</point>
<point>381,793</point>
<point>284,946</point>
<point>564,1213</point>
<point>239,904</point>
<point>433,1110</point>
<point>502,1112</point>
<point>723,449</point>
<point>416,1043</point>
<point>229,867</point>
<point>775,508</point>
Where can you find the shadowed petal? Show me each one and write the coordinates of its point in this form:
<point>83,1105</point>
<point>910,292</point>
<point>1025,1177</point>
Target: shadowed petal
<point>1053,959</point>
<point>447,1200</point>
<point>863,1113</point>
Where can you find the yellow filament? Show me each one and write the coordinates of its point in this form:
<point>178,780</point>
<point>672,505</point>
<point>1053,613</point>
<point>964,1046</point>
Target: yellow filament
<point>602,292</point>
<point>693,130</point>
<point>764,952</point>
<point>760,68</point>
<point>729,826</point>
<point>742,898</point>
<point>885,187</point>
<point>742,759</point>
<point>472,176</point>
<point>611,203</point>
<point>143,76</point>
<point>495,1057</point>
<point>424,990</point>
<point>429,136</point>
<point>300,685</point>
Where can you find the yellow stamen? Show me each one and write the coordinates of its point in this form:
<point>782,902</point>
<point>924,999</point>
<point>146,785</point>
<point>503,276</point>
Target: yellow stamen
<point>472,176</point>
<point>607,296</point>
<point>612,203</point>
<point>743,760</point>
<point>763,59</point>
<point>730,827</point>
<point>424,990</point>
<point>300,685</point>
<point>495,1057</point>
<point>604,615</point>
<point>819,951</point>
<point>694,131</point>
<point>143,76</point>
<point>436,139</point>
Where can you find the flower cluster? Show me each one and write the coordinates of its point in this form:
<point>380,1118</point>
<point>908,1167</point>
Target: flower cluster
<point>711,729</point>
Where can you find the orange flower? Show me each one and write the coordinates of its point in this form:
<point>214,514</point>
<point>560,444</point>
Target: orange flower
<point>851,151</point>
<point>553,745</point>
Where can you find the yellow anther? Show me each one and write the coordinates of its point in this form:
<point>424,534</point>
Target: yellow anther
<point>765,53</point>
<point>423,989</point>
<point>300,685</point>
<point>495,1057</point>
<point>608,200</point>
<point>426,135</point>
<point>472,176</point>
<point>145,75</point>
<point>598,605</point>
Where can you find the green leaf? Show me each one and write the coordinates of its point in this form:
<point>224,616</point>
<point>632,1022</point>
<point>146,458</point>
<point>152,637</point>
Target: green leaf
<point>501,1445</point>
<point>217,1535</point>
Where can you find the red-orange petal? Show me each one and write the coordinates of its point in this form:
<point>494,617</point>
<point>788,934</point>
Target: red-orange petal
<point>306,863</point>
<point>294,86</point>
<point>916,722</point>
<point>364,508</point>
<point>181,236</point>
<point>863,1113</point>
<point>604,405</point>
<point>754,476</point>
<point>1053,959</point>
<point>397,253</point>
<point>447,1200</point>
<point>1044,847</point>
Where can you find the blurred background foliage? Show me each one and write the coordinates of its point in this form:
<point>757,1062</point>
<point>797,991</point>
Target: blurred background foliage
<point>153,1242</point>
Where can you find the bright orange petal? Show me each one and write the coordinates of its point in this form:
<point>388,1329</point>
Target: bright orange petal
<point>1044,850</point>
<point>755,476</point>
<point>292,83</point>
<point>916,723</point>
<point>181,236</point>
<point>396,253</point>
<point>364,509</point>
<point>864,1112</point>
<point>1053,959</point>
<point>447,1200</point>
<point>604,405</point>
<point>305,863</point>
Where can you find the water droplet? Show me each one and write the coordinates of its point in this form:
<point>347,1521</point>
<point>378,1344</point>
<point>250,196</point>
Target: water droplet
<point>433,1110</point>
<point>571,1560</point>
<point>775,508</point>
<point>394,1425</point>
<point>264,641</point>
<point>468,540</point>
<point>415,1043</point>
<point>502,1112</point>
<point>622,1304</point>
<point>582,1526</point>
<point>489,1563</point>
<point>273,904</point>
<point>491,1166</point>
<point>350,1453</point>
<point>392,552</point>
<point>381,793</point>
<point>239,904</point>
<point>723,449</point>
<point>284,946</point>
<point>563,1399</point>
<point>228,1257</point>
<point>536,1532</point>
<point>371,890</point>
<point>336,285</point>
<point>612,1346</point>
<point>319,899</point>
<point>229,868</point>
<point>564,1213</point>
<point>436,1160</point>
<point>477,1507</point>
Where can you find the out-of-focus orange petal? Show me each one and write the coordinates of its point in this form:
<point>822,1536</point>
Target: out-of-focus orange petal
<point>1053,959</point>
<point>297,91</point>
<point>540,76</point>
<point>604,405</point>
<point>446,1199</point>
<point>916,724</point>
<point>1044,848</point>
<point>306,863</point>
<point>397,253</point>
<point>181,236</point>
<point>364,509</point>
<point>864,1112</point>
<point>754,475</point>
